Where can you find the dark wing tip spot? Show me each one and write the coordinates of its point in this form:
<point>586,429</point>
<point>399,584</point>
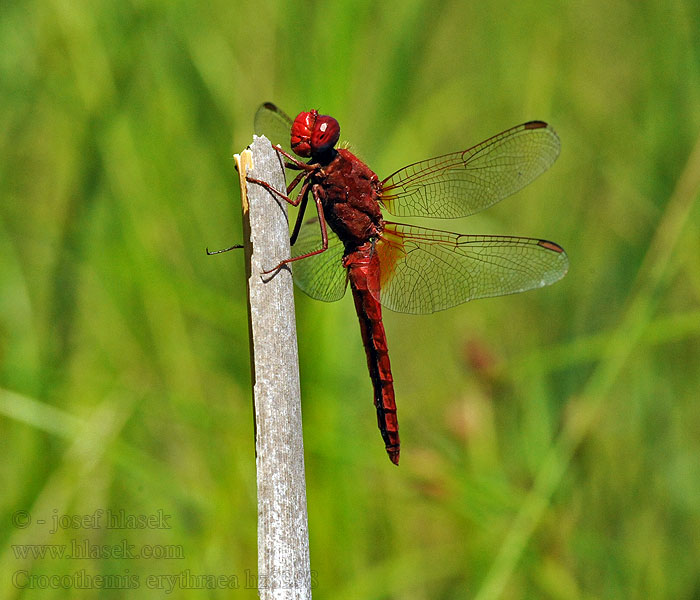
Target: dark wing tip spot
<point>535,125</point>
<point>550,246</point>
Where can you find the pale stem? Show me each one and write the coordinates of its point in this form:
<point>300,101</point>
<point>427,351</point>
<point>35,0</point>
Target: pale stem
<point>283,537</point>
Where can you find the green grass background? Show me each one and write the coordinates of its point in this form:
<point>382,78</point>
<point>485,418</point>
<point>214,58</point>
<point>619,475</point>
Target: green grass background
<point>551,440</point>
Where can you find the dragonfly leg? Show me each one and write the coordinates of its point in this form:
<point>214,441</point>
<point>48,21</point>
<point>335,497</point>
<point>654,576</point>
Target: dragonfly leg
<point>293,201</point>
<point>293,162</point>
<point>303,192</point>
<point>295,182</point>
<point>324,235</point>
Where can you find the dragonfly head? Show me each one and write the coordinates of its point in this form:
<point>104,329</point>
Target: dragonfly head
<point>314,134</point>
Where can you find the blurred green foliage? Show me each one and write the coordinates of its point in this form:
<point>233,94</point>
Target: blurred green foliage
<point>550,440</point>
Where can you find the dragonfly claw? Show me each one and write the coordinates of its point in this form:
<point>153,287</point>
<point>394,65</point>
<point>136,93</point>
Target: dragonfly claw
<point>280,266</point>
<point>212,252</point>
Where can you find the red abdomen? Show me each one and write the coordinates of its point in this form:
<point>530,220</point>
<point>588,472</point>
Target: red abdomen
<point>363,273</point>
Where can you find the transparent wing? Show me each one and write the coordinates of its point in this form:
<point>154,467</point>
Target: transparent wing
<point>321,276</point>
<point>274,124</point>
<point>463,183</point>
<point>427,270</point>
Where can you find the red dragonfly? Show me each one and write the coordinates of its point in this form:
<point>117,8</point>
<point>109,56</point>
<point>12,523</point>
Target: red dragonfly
<point>402,267</point>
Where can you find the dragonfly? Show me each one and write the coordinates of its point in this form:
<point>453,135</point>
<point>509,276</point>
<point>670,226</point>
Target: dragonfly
<point>402,267</point>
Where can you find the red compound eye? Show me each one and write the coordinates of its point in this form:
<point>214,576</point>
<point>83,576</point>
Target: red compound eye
<point>325,134</point>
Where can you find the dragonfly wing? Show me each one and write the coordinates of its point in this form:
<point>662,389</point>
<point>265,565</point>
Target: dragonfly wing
<point>463,183</point>
<point>426,270</point>
<point>321,276</point>
<point>274,124</point>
